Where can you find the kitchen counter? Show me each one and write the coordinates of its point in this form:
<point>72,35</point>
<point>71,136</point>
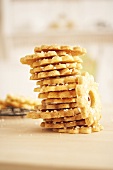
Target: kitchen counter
<point>25,145</point>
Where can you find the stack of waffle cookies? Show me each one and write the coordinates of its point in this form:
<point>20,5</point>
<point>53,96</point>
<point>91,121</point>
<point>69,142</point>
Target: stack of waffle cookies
<point>70,101</point>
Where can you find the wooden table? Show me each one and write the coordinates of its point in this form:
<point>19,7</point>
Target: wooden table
<point>24,145</point>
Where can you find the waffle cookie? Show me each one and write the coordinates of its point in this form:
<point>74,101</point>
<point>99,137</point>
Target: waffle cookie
<point>29,59</point>
<point>58,80</point>
<point>80,129</point>
<point>63,87</point>
<point>70,102</point>
<point>2,104</point>
<point>60,66</point>
<point>56,106</point>
<point>55,60</point>
<point>54,113</point>
<point>54,73</point>
<point>68,49</point>
<point>57,101</point>
<point>20,102</point>
<point>63,124</point>
<point>58,94</point>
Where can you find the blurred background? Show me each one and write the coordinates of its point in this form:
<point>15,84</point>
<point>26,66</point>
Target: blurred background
<point>27,23</point>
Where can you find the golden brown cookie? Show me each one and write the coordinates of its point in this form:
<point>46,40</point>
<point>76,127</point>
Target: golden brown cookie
<point>62,124</point>
<point>65,119</point>
<point>54,73</point>
<point>56,60</point>
<point>56,106</point>
<point>49,51</point>
<point>58,94</point>
<point>58,80</point>
<point>56,101</point>
<point>72,130</point>
<point>2,104</point>
<point>20,102</point>
<point>53,114</point>
<point>54,88</point>
<point>88,99</point>
<point>59,66</point>
<point>91,119</point>
<point>13,101</point>
<point>41,55</point>
<point>29,59</point>
<point>78,129</point>
<point>74,50</point>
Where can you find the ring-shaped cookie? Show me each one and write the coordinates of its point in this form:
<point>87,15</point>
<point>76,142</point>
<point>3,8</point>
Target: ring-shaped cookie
<point>88,99</point>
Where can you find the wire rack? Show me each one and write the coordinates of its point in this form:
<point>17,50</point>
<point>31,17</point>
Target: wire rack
<point>12,112</point>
